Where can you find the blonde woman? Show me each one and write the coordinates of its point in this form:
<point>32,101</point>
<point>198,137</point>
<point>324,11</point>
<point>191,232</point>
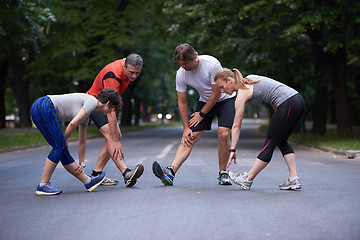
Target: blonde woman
<point>289,107</point>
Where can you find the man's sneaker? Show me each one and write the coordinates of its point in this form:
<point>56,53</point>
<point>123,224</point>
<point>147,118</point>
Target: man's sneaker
<point>131,176</point>
<point>95,182</point>
<point>291,184</point>
<point>47,189</point>
<point>108,182</point>
<point>240,179</point>
<point>164,174</point>
<point>224,179</point>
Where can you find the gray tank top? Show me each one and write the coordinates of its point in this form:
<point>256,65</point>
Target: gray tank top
<point>269,91</point>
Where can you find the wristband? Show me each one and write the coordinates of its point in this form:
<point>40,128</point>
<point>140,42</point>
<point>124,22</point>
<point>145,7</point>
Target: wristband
<point>232,150</point>
<point>202,114</point>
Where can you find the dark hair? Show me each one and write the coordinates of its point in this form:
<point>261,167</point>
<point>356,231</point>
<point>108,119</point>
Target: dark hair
<point>184,52</point>
<point>134,60</point>
<point>110,95</point>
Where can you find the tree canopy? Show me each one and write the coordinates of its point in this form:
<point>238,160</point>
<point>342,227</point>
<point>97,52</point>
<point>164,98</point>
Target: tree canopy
<point>59,46</point>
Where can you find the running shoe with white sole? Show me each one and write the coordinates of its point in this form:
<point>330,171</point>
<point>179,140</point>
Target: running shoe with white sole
<point>164,174</point>
<point>95,182</point>
<point>240,179</point>
<point>131,176</point>
<point>224,179</point>
<point>291,184</point>
<point>47,190</point>
<point>108,182</point>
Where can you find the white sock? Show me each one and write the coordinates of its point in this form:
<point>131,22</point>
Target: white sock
<point>42,184</point>
<point>88,180</point>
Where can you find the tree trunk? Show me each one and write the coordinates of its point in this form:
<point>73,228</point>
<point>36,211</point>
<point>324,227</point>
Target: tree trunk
<point>321,76</point>
<point>20,87</point>
<point>339,79</point>
<point>3,75</point>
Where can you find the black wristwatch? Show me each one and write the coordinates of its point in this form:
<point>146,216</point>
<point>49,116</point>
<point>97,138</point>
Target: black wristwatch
<point>232,150</point>
<point>202,114</point>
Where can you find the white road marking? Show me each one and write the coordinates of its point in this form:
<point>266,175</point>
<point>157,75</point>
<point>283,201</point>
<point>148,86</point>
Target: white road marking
<point>166,150</point>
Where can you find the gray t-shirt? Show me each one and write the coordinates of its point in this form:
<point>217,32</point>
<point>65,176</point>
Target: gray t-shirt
<point>68,105</point>
<point>269,91</point>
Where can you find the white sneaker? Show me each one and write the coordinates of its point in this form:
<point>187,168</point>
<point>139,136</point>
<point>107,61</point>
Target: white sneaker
<point>240,179</point>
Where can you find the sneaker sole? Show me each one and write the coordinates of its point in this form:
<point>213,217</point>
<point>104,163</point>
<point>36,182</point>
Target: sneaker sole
<point>104,183</point>
<point>139,169</point>
<point>40,193</point>
<point>158,172</point>
<point>225,183</point>
<point>292,187</point>
<point>96,185</point>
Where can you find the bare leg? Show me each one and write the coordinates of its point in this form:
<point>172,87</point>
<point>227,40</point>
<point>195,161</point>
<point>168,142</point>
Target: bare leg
<point>103,158</point>
<point>291,163</point>
<point>224,145</point>
<point>256,169</point>
<point>49,168</point>
<point>104,154</point>
<point>71,169</point>
<point>183,152</point>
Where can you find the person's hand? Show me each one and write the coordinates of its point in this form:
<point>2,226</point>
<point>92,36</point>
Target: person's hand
<point>187,137</point>
<point>118,151</point>
<point>195,119</point>
<point>79,169</point>
<point>231,158</point>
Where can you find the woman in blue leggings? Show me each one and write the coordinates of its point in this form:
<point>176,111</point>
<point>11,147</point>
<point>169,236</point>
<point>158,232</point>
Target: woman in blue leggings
<point>74,108</point>
<point>289,107</point>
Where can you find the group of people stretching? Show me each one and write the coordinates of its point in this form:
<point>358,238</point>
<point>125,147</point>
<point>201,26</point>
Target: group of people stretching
<point>223,93</point>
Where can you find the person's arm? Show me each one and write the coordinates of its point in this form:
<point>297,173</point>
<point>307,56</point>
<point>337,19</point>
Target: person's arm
<point>183,109</point>
<point>195,117</point>
<point>236,128</point>
<point>80,116</point>
<point>82,144</point>
<point>115,135</point>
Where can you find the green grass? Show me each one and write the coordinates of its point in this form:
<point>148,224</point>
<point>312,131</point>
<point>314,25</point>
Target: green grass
<point>330,140</point>
<point>27,137</point>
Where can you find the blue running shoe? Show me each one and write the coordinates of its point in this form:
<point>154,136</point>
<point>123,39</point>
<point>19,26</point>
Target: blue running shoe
<point>47,189</point>
<point>95,182</point>
<point>164,174</point>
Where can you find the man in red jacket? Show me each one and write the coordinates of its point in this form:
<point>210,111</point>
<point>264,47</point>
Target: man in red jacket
<point>116,75</point>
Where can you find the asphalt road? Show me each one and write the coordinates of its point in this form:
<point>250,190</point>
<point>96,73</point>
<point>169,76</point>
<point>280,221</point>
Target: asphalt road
<point>328,206</point>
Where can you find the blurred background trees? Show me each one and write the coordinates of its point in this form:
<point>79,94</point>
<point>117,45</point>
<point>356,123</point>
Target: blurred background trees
<point>55,47</point>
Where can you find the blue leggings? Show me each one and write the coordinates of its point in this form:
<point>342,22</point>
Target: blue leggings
<point>282,124</point>
<point>44,117</point>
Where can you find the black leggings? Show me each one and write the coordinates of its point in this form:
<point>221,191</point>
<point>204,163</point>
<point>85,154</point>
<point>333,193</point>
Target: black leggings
<point>282,124</point>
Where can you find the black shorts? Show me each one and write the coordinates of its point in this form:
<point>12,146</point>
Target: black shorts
<point>99,119</point>
<point>224,110</point>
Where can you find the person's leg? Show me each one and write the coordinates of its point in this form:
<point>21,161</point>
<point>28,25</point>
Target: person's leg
<point>291,163</point>
<point>225,111</point>
<point>49,168</point>
<point>183,152</point>
<point>223,149</point>
<point>257,167</point>
<point>167,174</point>
<point>103,158</point>
<point>71,168</point>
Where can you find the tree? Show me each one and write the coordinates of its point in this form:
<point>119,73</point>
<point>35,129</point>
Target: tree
<point>23,25</point>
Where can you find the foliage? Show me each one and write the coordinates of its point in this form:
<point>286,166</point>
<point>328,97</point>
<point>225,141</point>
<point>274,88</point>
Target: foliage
<point>71,41</point>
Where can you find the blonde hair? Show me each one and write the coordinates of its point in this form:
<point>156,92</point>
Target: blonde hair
<point>236,74</point>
